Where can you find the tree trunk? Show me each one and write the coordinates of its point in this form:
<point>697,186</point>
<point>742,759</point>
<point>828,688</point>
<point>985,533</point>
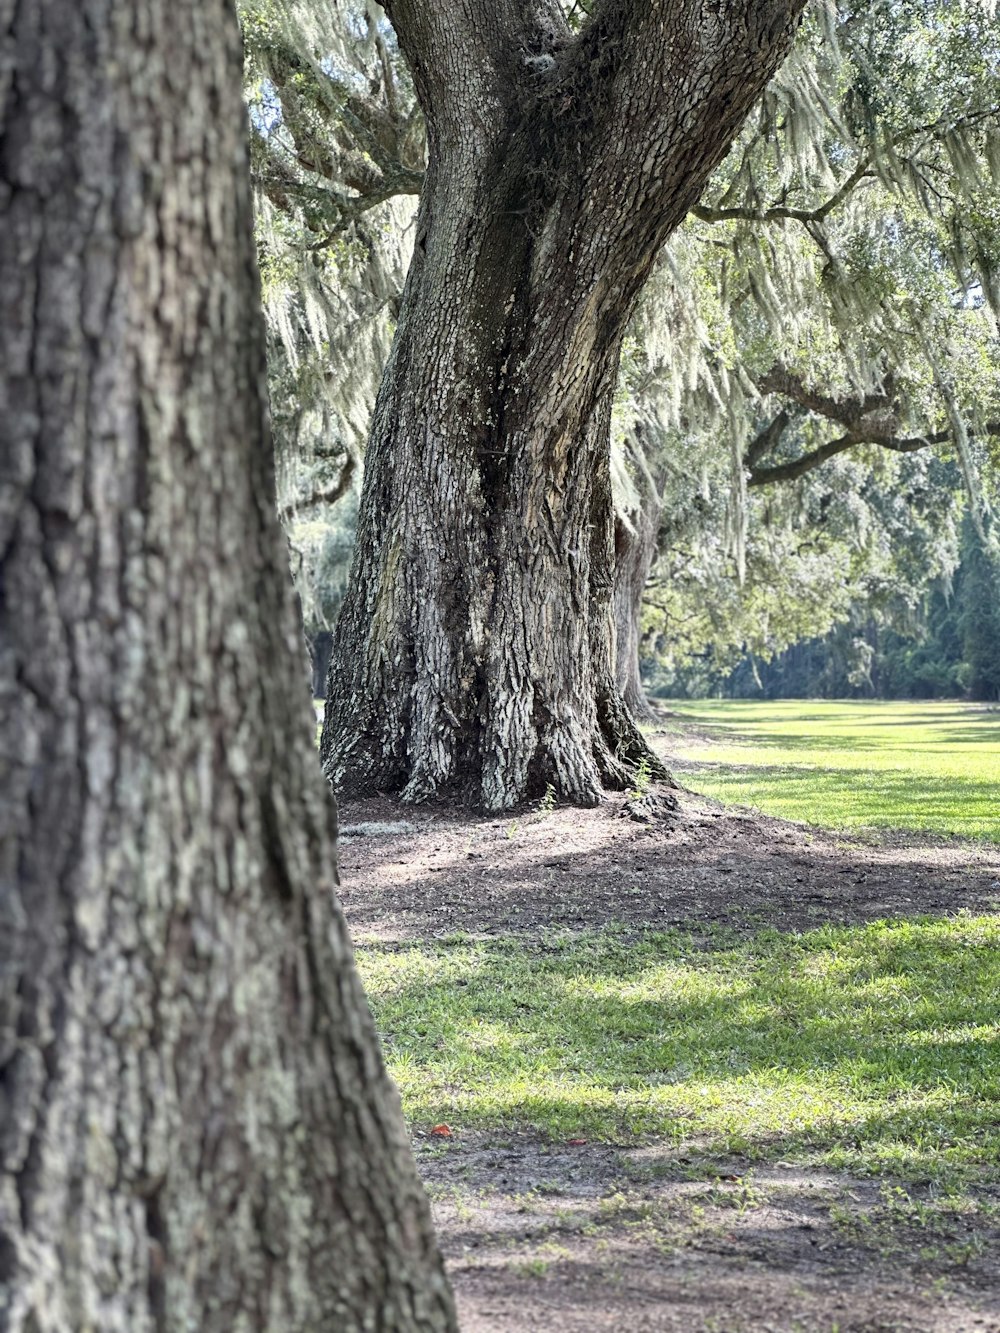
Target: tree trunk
<point>196,1128</point>
<point>635,550</point>
<point>320,647</point>
<point>475,649</point>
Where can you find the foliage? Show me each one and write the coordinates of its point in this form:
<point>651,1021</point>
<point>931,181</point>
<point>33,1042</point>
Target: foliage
<point>933,767</point>
<point>850,236</point>
<point>857,540</point>
<point>336,150</point>
<point>872,1048</point>
<point>922,633</point>
<point>979,617</point>
<point>827,320</point>
<point>336,153</point>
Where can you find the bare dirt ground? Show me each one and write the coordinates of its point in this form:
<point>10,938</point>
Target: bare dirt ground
<point>564,1237</point>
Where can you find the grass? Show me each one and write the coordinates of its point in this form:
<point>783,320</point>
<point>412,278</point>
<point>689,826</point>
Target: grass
<point>918,766</point>
<point>874,1048</point>
<point>871,1048</point>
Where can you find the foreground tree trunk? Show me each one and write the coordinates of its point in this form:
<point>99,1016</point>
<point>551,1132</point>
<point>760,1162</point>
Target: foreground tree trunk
<point>196,1129</point>
<point>475,650</point>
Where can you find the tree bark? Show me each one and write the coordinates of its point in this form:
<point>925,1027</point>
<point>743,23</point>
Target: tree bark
<point>636,538</point>
<point>196,1128</point>
<point>475,649</point>
<point>320,646</point>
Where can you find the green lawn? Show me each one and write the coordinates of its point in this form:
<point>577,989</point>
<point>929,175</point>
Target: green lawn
<point>933,766</point>
<point>874,1048</point>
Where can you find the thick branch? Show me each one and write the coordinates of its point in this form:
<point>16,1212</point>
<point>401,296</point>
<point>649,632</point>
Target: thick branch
<point>767,439</point>
<point>872,419</point>
<point>465,60</point>
<point>846,411</point>
<point>351,207</point>
<point>861,433</point>
<point>764,476</point>
<point>321,495</point>
<point>653,95</point>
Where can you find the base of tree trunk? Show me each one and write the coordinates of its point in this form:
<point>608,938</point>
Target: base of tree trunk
<point>638,705</point>
<point>576,757</point>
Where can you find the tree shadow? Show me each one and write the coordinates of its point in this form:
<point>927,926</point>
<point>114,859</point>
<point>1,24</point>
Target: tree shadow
<point>577,870</point>
<point>878,1043</point>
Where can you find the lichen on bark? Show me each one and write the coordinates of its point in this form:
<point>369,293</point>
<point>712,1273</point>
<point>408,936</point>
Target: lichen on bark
<point>196,1127</point>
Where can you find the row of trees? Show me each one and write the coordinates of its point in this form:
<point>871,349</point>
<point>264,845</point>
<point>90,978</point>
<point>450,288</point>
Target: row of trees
<point>945,644</point>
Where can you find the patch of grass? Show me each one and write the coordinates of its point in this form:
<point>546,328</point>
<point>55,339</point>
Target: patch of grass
<point>930,766</point>
<point>541,1262</point>
<point>870,1048</point>
<point>950,1227</point>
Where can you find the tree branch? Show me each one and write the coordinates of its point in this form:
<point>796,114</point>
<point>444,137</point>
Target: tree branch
<point>864,430</point>
<point>764,476</point>
<point>465,61</point>
<point>322,495</point>
<point>917,136</point>
<point>331,130</point>
<point>872,419</point>
<point>779,212</point>
<point>846,411</point>
<point>644,103</point>
<point>767,439</point>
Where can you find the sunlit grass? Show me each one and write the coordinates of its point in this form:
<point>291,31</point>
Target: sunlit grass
<point>932,766</point>
<point>873,1047</point>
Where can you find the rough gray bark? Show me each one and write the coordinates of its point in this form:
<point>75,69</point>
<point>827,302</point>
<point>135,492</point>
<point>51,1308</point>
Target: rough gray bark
<point>475,650</point>
<point>196,1128</point>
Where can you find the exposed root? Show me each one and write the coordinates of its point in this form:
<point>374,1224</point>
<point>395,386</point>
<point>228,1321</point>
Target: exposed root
<point>652,807</point>
<point>627,744</point>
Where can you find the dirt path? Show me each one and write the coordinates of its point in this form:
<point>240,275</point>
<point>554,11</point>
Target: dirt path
<point>548,1237</point>
<point>602,1237</point>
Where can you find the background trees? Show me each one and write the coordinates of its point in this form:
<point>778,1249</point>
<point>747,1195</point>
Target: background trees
<point>196,1130</point>
<point>832,297</point>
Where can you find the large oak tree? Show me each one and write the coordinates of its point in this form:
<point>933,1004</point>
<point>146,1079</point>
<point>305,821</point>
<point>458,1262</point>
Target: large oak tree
<point>196,1128</point>
<point>475,649</point>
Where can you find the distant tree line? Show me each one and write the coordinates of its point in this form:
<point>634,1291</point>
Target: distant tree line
<point>950,649</point>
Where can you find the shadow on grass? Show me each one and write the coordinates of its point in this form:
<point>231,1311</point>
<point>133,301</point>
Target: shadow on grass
<point>874,1047</point>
